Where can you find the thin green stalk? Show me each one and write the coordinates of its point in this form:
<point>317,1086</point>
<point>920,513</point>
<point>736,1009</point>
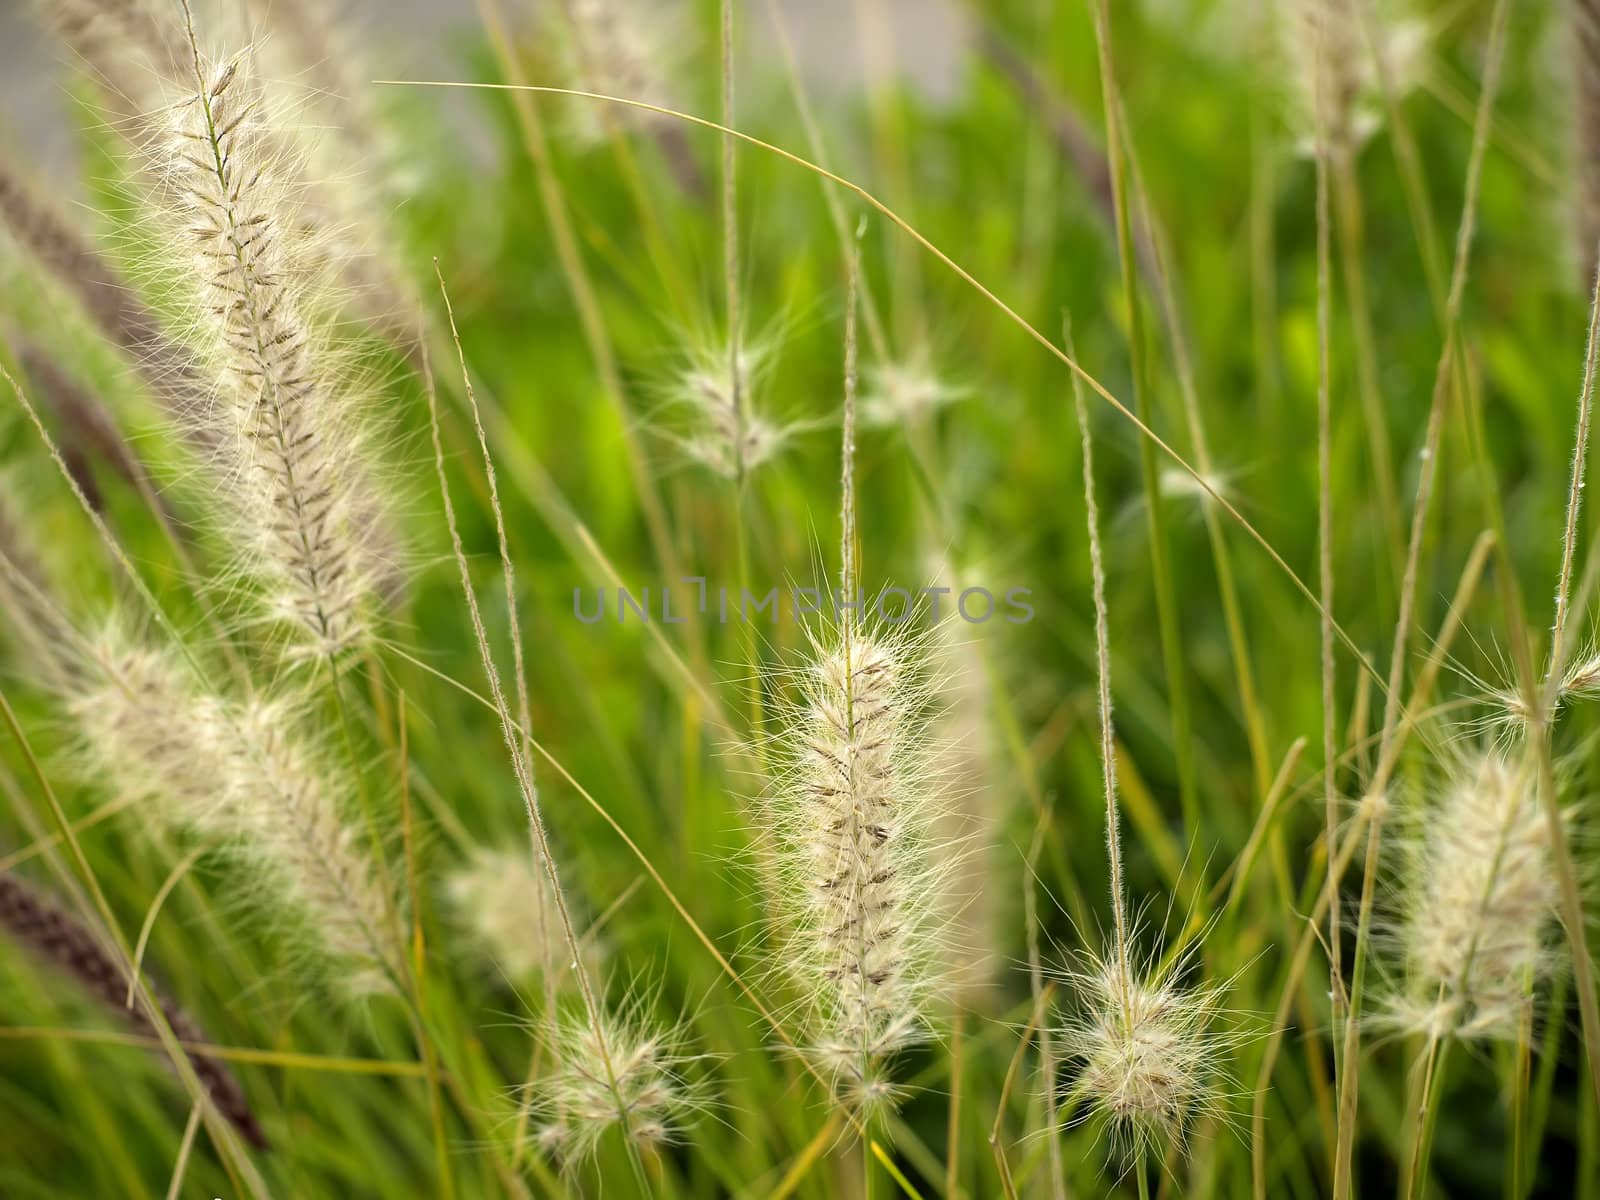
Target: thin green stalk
<point>1352,243</point>
<point>889,137</point>
<point>1263,197</point>
<point>836,214</point>
<point>1427,1116</point>
<point>1588,1172</point>
<point>419,954</point>
<point>1107,742</point>
<point>1164,278</point>
<point>1299,961</point>
<point>1541,698</point>
<point>1047,1056</point>
<point>1544,1083</point>
<point>522,766</point>
<point>1337,999</point>
<point>1520,1066</point>
<point>895,1173</point>
<point>650,228</point>
<point>584,298</point>
<point>1161,567</point>
<point>1566,873</point>
<point>1412,175</point>
<point>730,241</point>
<point>751,638</point>
<point>1376,797</point>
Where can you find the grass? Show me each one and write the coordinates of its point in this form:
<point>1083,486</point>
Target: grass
<point>1337,412</point>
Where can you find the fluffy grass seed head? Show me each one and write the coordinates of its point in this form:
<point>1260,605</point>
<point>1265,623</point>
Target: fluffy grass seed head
<point>289,826</point>
<point>359,167</point>
<point>619,48</point>
<point>1147,1051</point>
<point>1183,487</point>
<point>243,776</point>
<point>633,50</point>
<point>1582,679</point>
<point>720,427</point>
<point>1478,906</point>
<point>126,46</point>
<point>147,731</point>
<point>1336,86</point>
<point>307,516</point>
<point>502,902</point>
<point>854,812</point>
<point>966,763</point>
<point>630,1076</point>
<point>903,393</point>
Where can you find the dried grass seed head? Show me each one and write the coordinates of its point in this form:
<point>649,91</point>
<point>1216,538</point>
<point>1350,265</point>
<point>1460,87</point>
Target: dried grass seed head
<point>900,393</point>
<point>1148,1051</point>
<point>1335,83</point>
<point>861,875</point>
<point>1478,906</point>
<point>631,1075</point>
<point>245,778</point>
<point>299,482</point>
<point>715,420</point>
<point>503,903</point>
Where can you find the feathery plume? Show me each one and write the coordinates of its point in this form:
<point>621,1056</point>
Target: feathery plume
<point>284,821</point>
<point>720,436</point>
<point>1509,709</point>
<point>854,810</point>
<point>239,775</point>
<point>140,55</point>
<point>127,46</point>
<point>110,301</point>
<point>962,753</point>
<point>33,921</point>
<point>358,170</point>
<point>1337,84</point>
<point>503,903</point>
<point>170,371</point>
<point>236,774</point>
<point>298,489</point>
<point>902,393</point>
<point>630,1076</point>
<point>1480,900</point>
<point>327,55</point>
<point>1183,486</point>
<point>1146,1047</point>
<point>1146,1050</point>
<point>1582,678</point>
<point>145,730</point>
<point>1325,46</point>
<point>618,48</point>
